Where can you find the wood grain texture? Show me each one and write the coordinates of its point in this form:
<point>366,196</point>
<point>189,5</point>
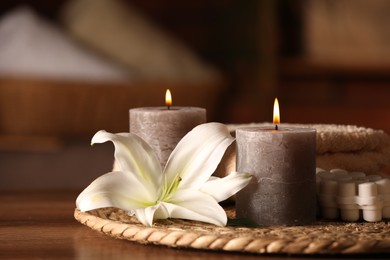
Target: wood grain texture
<point>40,225</point>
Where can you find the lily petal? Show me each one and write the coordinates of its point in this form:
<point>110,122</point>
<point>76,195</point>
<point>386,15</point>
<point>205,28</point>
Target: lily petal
<point>222,188</point>
<point>147,215</point>
<point>115,189</point>
<point>134,155</point>
<point>197,155</point>
<point>195,205</point>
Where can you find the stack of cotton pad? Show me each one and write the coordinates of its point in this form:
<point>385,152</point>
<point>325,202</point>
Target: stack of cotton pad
<point>352,195</point>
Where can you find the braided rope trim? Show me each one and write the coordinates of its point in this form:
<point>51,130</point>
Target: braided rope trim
<point>319,238</point>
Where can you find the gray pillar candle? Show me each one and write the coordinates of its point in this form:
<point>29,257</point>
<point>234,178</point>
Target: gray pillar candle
<point>162,128</point>
<point>283,187</point>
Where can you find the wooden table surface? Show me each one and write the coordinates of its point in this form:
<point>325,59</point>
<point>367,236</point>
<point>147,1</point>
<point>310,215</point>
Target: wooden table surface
<point>40,225</point>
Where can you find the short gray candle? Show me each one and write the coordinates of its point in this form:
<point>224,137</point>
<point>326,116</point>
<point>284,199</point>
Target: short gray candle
<point>283,187</point>
<point>163,128</point>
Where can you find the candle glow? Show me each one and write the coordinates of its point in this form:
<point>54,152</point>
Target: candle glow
<point>168,98</point>
<point>276,118</point>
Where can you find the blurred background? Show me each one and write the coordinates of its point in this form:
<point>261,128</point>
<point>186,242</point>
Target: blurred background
<point>69,68</point>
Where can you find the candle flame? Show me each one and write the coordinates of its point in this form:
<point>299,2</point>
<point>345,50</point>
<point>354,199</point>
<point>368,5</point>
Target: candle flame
<point>276,114</point>
<point>168,98</point>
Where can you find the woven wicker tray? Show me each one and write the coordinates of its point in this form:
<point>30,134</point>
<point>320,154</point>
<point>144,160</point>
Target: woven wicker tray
<point>319,238</point>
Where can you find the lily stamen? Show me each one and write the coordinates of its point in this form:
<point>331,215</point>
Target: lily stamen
<point>142,188</point>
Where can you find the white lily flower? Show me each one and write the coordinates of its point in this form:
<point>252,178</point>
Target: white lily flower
<point>183,190</point>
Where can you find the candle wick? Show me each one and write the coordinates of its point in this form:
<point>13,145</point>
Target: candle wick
<point>276,127</point>
<point>169,107</point>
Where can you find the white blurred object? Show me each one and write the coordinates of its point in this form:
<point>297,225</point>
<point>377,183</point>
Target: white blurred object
<point>32,46</point>
<point>121,32</point>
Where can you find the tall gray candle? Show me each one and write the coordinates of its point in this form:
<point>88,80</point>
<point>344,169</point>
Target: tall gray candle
<point>163,127</point>
<point>283,188</point>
